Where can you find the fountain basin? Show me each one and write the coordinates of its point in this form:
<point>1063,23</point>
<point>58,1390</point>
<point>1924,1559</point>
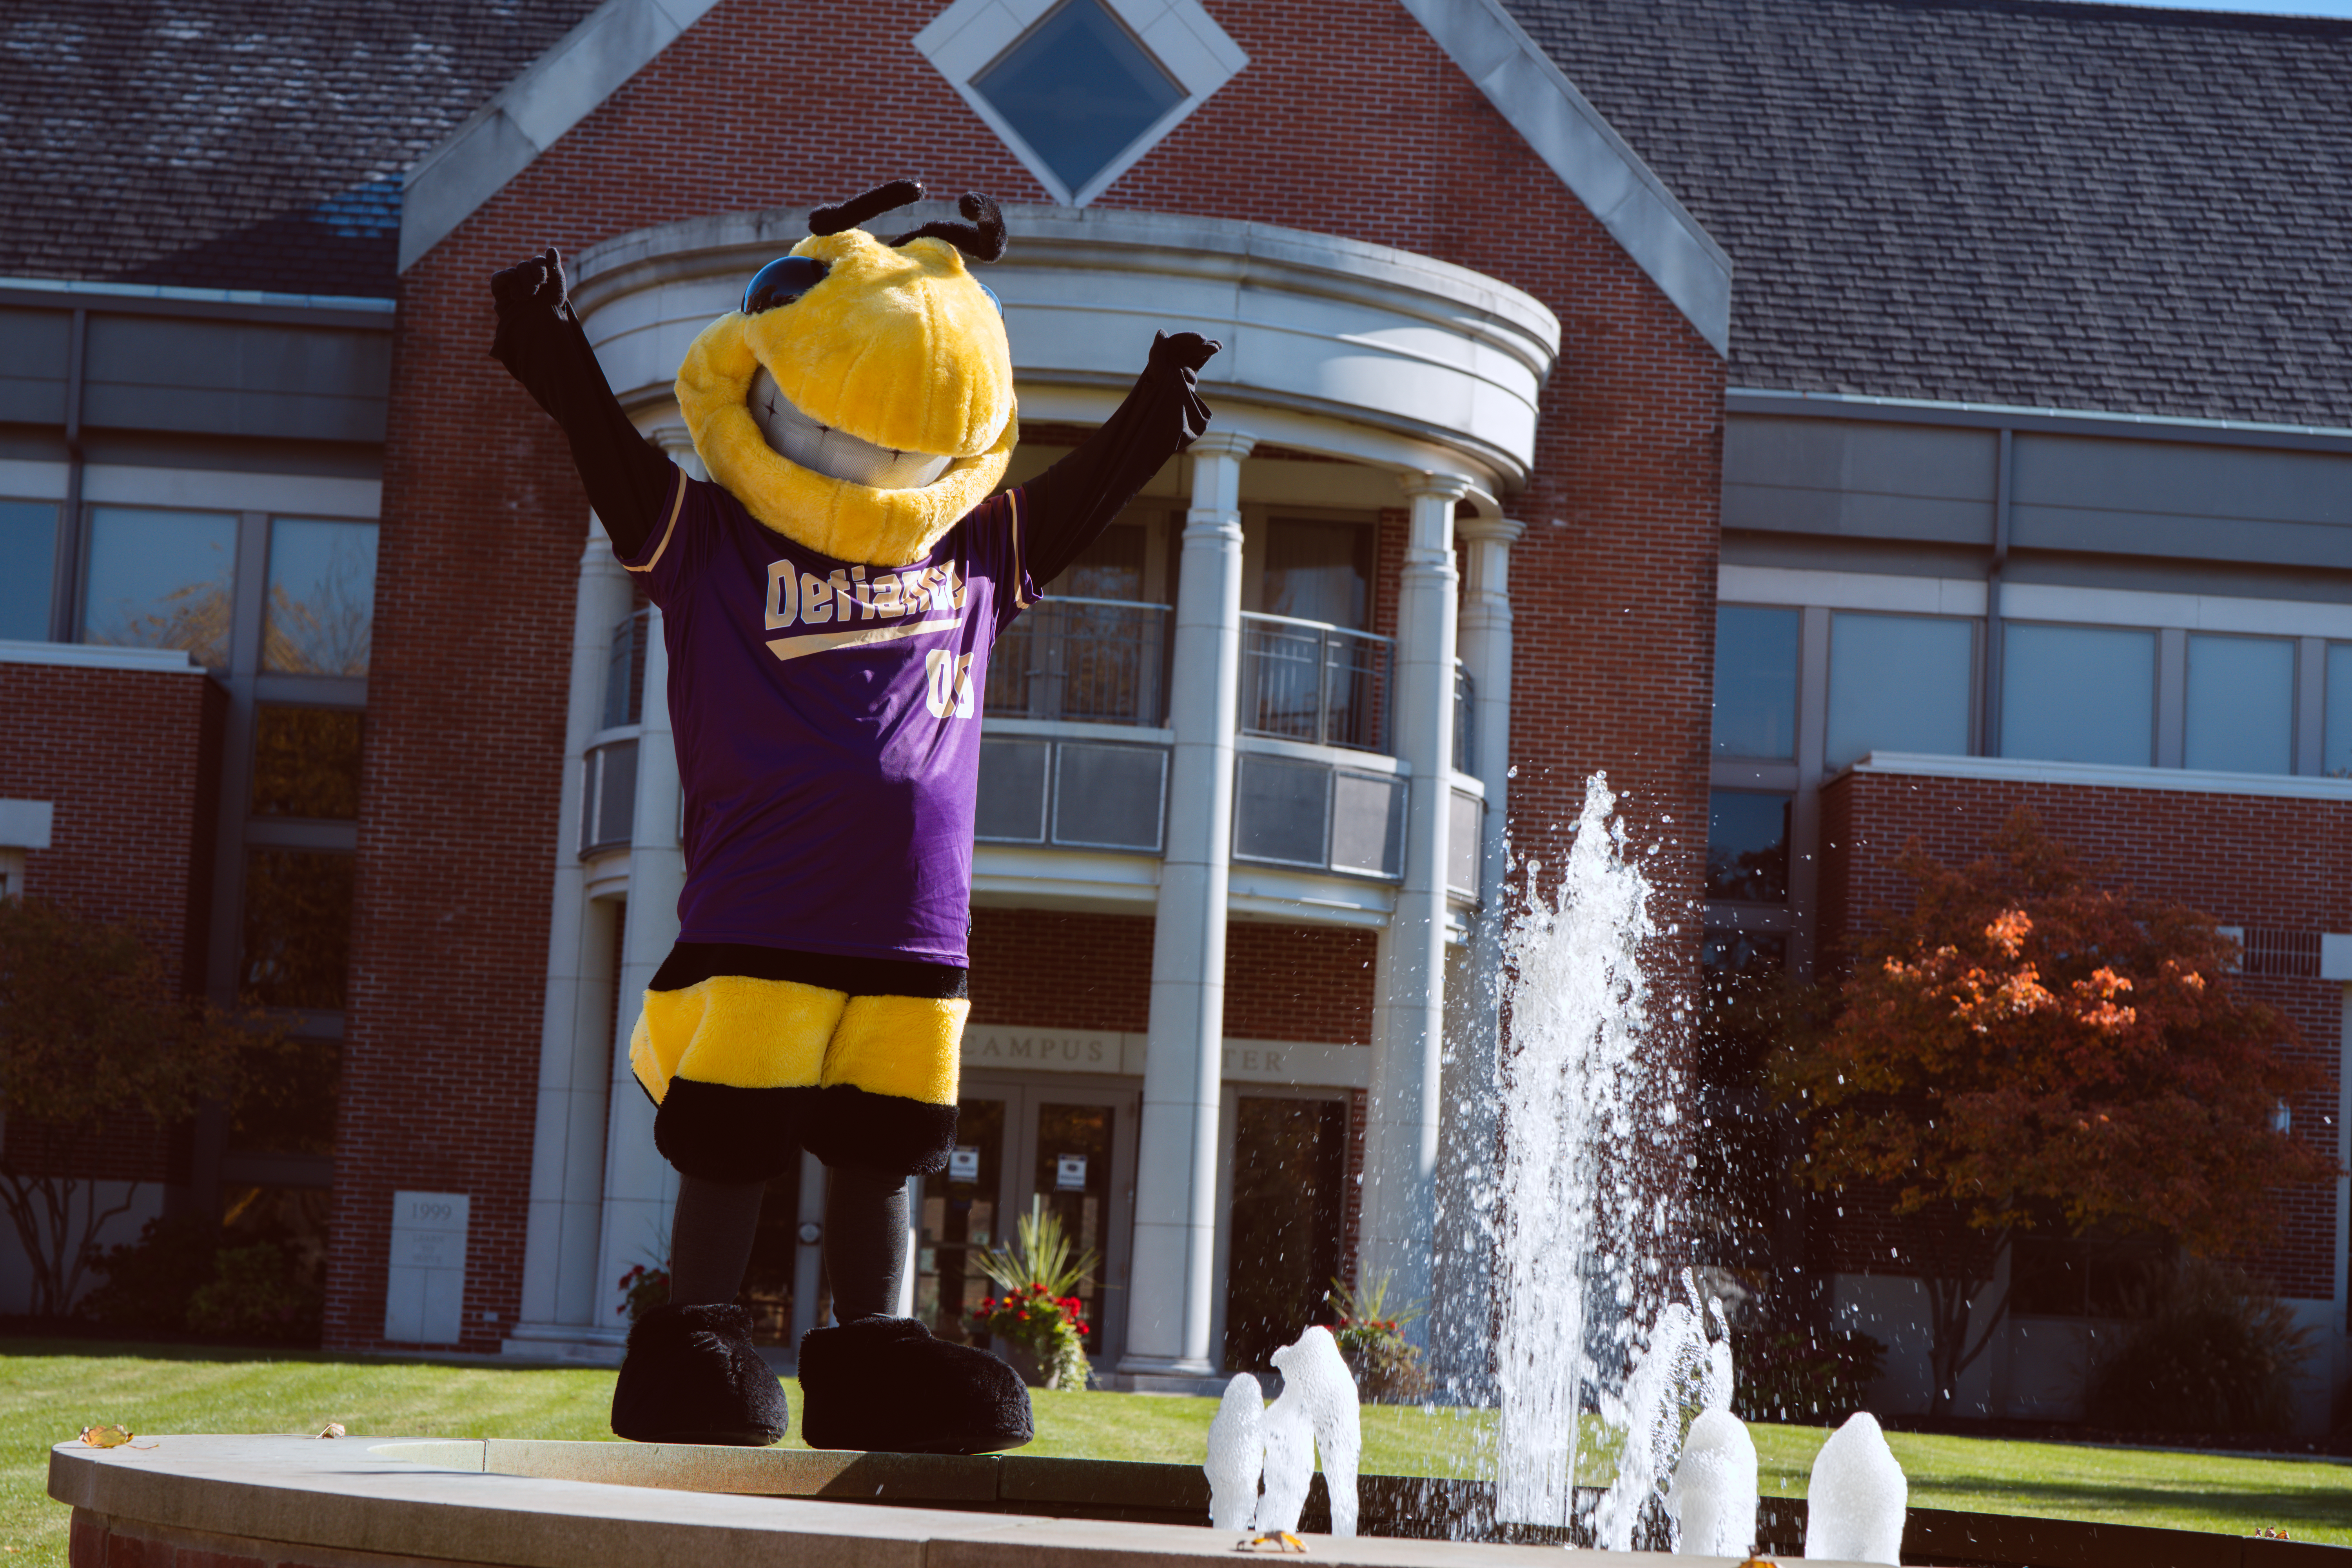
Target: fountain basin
<point>388,1502</point>
<point>303,1503</point>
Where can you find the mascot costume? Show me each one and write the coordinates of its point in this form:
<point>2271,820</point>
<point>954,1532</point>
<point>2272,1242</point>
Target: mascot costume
<point>828,598</point>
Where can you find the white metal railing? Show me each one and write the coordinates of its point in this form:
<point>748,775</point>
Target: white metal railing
<point>1306,681</point>
<point>1098,661</point>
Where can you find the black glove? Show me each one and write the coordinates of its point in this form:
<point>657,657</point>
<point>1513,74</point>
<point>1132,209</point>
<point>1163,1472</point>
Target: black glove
<point>540,279</point>
<point>1177,351</point>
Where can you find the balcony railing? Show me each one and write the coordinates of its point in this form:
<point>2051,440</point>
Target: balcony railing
<point>624,671</point>
<point>1465,704</point>
<point>1097,662</point>
<point>1303,680</point>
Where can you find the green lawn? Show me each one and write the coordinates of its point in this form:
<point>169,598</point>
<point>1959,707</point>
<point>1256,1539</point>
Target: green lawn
<point>51,1390</point>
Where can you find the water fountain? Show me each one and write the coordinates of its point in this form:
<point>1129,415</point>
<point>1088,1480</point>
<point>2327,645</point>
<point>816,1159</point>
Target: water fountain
<point>1578,1108</point>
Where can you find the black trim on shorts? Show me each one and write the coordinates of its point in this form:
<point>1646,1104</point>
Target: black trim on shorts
<point>722,1133</point>
<point>690,963</point>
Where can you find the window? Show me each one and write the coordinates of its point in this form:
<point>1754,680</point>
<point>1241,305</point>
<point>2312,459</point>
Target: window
<point>1110,568</point>
<point>321,599</point>
<point>1748,846</point>
<point>1317,572</point>
<point>305,763</point>
<point>297,928</point>
<point>161,579</point>
<point>1755,682</point>
<point>2241,705</point>
<point>1899,683</point>
<point>1079,90</point>
<point>2337,760</point>
<point>2082,1276</point>
<point>28,544</point>
<point>2078,694</point>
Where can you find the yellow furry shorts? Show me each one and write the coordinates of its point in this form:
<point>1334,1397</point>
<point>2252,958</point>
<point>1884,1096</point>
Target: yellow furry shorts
<point>747,1072</point>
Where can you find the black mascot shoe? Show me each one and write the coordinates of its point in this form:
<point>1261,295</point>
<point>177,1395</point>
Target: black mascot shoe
<point>691,1376</point>
<point>885,1384</point>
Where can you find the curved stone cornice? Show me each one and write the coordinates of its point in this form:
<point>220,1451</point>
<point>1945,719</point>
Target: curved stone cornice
<point>1313,324</point>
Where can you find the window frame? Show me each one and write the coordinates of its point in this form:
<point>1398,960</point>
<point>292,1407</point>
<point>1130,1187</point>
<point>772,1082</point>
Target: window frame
<point>1180,36</point>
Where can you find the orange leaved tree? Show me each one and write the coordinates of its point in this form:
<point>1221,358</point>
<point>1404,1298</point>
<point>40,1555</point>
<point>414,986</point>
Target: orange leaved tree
<point>2024,1047</point>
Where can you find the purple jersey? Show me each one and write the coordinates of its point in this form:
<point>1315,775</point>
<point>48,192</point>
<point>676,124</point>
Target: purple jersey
<point>827,719</point>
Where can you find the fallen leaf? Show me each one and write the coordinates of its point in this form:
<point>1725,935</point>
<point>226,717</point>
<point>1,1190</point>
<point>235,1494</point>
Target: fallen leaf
<point>334,1429</point>
<point>106,1437</point>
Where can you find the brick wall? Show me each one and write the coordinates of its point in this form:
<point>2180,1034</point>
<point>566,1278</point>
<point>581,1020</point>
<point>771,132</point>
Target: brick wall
<point>2246,860</point>
<point>758,107</point>
<point>131,759</point>
<point>1298,983</point>
<point>131,762</point>
<point>1050,969</point>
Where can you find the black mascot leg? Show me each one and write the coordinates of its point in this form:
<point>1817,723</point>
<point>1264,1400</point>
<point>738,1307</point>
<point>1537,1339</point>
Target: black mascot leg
<point>865,1241</point>
<point>882,1382</point>
<point>710,1236</point>
<point>692,1374</point>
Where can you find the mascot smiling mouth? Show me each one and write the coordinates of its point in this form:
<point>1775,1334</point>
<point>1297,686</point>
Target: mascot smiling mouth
<point>860,403</point>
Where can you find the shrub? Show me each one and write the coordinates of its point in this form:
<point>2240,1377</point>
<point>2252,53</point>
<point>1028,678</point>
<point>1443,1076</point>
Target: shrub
<point>258,1292</point>
<point>643,1288</point>
<point>1812,1376</point>
<point>1370,1331</point>
<point>148,1282</point>
<point>1040,1277</point>
<point>2213,1352</point>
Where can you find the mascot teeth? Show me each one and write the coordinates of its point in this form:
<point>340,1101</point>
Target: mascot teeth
<point>835,453</point>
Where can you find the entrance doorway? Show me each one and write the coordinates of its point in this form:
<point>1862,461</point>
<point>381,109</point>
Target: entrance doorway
<point>1070,1142</point>
<point>1283,1202</point>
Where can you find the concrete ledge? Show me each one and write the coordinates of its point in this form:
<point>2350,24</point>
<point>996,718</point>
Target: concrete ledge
<point>301,1503</point>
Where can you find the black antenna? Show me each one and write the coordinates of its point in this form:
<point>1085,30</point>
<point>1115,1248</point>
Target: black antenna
<point>872,203</point>
<point>983,240</point>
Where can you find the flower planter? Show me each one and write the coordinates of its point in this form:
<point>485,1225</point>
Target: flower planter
<point>1024,1360</point>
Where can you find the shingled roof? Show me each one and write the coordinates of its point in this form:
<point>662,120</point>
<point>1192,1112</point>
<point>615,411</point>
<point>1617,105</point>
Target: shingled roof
<point>2006,201</point>
<point>238,143</point>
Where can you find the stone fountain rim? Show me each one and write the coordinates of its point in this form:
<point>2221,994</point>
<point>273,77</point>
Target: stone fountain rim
<point>362,1494</point>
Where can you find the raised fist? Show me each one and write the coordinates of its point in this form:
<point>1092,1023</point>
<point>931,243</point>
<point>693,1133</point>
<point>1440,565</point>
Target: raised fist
<point>540,279</point>
<point>1185,351</point>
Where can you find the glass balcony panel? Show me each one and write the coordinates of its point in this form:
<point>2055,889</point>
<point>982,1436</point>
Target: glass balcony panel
<point>1012,791</point>
<point>1281,812</point>
<point>608,807</point>
<point>1108,797</point>
<point>1368,824</point>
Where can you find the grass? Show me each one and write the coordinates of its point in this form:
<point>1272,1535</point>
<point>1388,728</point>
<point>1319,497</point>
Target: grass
<point>49,1390</point>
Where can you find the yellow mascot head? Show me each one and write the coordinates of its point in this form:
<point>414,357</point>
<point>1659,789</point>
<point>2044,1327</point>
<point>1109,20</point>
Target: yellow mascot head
<point>861,401</point>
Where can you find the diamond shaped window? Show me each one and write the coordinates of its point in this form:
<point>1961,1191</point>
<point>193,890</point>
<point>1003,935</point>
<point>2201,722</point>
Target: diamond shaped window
<point>1079,90</point>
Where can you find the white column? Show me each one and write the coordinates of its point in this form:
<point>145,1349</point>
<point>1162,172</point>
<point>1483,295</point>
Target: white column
<point>639,1185</point>
<point>1170,1303</point>
<point>1409,1018</point>
<point>567,1174</point>
<point>1468,1130</point>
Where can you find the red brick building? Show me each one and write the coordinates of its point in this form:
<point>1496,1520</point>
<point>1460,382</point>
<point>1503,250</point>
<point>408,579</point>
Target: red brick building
<point>1587,363</point>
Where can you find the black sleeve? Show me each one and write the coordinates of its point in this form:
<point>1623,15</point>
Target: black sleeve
<point>1072,502</point>
<point>627,478</point>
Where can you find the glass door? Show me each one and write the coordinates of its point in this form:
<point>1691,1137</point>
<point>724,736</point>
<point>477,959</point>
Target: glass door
<point>1284,1185</point>
<point>1070,1144</point>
